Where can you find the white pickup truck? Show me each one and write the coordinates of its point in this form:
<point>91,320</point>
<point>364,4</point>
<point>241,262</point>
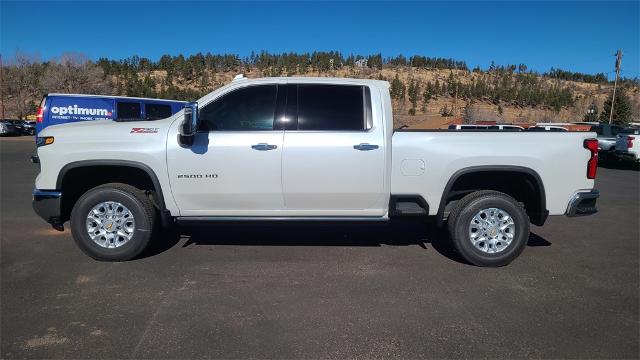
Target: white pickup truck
<point>306,149</point>
<point>628,145</point>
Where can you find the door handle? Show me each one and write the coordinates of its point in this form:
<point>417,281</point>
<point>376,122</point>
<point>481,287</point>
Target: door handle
<point>365,147</point>
<point>264,147</point>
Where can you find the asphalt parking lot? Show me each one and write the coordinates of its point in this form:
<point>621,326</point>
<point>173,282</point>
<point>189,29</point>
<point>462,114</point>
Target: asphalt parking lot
<point>323,290</point>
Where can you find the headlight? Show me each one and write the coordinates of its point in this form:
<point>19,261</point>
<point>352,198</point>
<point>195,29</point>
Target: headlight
<point>44,140</point>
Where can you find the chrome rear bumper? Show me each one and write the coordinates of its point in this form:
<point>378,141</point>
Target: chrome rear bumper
<point>583,203</point>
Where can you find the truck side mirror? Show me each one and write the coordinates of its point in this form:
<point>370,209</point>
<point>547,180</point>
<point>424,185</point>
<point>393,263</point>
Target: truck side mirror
<point>189,126</point>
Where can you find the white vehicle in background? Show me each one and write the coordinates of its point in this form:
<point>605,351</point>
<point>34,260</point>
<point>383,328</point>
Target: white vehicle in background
<point>468,127</point>
<point>311,149</point>
<point>540,127</point>
<point>506,127</point>
<point>486,127</point>
<point>628,144</point>
<point>550,127</point>
<point>607,137</point>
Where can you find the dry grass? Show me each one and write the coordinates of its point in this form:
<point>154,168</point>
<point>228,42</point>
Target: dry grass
<point>584,94</point>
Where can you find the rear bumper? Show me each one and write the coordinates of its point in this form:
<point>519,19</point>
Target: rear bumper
<point>47,205</point>
<point>583,203</point>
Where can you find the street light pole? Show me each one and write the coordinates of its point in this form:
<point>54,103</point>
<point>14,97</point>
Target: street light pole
<point>615,83</point>
<point>1,89</point>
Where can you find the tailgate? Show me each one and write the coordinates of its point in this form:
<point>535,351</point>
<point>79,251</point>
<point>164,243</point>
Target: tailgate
<point>621,143</point>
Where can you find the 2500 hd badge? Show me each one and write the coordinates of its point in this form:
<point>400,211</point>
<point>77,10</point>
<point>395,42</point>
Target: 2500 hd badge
<point>198,176</point>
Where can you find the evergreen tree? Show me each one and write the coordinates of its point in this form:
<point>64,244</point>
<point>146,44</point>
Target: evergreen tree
<point>413,91</point>
<point>426,96</point>
<point>397,88</point>
<point>621,109</point>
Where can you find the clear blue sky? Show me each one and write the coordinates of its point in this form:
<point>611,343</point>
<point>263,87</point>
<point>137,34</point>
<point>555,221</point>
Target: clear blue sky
<point>574,35</point>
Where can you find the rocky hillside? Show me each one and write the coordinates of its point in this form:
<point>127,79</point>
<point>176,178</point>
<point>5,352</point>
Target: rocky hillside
<point>443,107</point>
<point>427,92</point>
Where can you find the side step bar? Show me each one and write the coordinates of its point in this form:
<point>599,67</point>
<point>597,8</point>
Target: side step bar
<point>187,219</point>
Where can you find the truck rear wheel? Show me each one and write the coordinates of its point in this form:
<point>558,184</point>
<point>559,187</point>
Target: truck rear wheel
<point>113,222</point>
<point>489,228</point>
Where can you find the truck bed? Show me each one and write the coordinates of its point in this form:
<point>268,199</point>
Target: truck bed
<point>423,161</point>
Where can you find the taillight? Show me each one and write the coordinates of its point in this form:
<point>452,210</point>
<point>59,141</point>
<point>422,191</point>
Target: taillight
<point>592,164</point>
<point>39,115</point>
<point>630,142</point>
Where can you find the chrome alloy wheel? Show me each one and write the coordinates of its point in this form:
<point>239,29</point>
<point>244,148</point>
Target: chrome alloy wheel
<point>491,230</point>
<point>110,224</point>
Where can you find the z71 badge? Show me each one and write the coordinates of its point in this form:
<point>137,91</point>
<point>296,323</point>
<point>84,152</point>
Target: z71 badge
<point>144,130</point>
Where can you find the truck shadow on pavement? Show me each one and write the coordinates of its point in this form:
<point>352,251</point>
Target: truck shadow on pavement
<point>403,232</point>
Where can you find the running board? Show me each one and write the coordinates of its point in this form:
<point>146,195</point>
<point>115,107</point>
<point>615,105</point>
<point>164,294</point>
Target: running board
<point>183,219</point>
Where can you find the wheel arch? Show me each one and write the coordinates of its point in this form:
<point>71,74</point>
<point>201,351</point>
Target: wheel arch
<point>537,209</point>
<point>123,167</point>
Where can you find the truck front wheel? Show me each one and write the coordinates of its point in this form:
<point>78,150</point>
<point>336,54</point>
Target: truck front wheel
<point>113,222</point>
<point>489,228</point>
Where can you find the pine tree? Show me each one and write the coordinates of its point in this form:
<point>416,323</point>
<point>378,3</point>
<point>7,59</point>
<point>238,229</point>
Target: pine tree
<point>621,109</point>
<point>397,88</point>
<point>413,91</point>
<point>426,96</point>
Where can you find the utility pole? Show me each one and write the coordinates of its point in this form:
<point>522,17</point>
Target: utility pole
<point>1,90</point>
<point>618,56</point>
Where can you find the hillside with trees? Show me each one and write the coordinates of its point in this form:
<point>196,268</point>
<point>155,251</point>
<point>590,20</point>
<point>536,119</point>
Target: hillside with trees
<point>426,91</point>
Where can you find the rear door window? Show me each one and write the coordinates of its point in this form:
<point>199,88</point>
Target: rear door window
<point>332,107</point>
<point>156,111</point>
<point>128,111</point>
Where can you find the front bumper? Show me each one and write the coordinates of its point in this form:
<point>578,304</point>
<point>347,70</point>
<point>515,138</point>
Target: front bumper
<point>46,204</point>
<point>583,203</point>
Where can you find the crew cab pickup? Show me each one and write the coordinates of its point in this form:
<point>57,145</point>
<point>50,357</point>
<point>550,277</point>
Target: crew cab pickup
<point>628,145</point>
<point>308,149</point>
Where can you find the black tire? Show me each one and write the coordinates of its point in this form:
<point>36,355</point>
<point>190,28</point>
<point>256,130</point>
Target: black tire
<point>464,211</point>
<point>135,200</point>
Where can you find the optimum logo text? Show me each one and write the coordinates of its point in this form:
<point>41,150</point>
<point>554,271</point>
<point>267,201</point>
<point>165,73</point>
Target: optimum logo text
<point>75,110</point>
